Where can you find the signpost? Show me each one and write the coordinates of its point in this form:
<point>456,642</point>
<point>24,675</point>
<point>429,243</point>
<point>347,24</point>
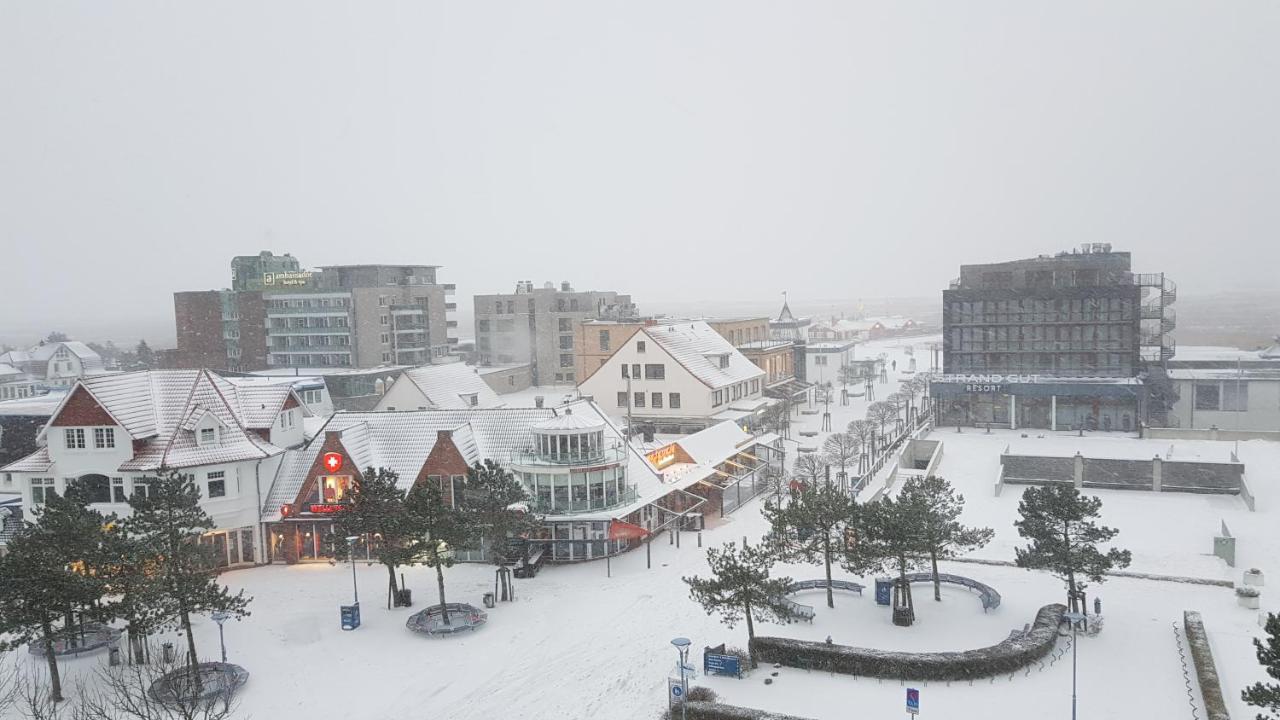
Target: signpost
<point>350,616</point>
<point>913,701</point>
<point>715,664</point>
<point>676,691</point>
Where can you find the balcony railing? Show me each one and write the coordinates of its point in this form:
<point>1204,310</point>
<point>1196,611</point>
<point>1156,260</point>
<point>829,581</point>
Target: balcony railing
<point>573,507</point>
<point>615,454</point>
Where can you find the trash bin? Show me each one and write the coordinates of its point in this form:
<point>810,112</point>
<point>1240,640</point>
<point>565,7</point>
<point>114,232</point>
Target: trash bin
<point>350,615</point>
<point>488,600</point>
<point>166,652</point>
<point>404,597</point>
<point>884,591</point>
<point>113,656</point>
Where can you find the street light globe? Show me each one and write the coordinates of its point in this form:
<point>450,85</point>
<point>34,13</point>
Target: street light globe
<point>682,642</point>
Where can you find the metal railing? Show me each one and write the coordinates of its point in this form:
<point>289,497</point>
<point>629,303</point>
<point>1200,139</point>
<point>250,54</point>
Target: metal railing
<point>612,454</point>
<point>575,507</point>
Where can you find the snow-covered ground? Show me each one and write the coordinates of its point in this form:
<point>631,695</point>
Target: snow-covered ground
<point>579,644</point>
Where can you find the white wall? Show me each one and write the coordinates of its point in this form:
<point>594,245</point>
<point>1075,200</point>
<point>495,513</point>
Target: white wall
<point>1263,410</point>
<point>403,395</point>
<point>605,384</point>
<point>830,372</point>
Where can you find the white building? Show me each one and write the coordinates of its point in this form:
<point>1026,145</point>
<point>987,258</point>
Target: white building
<point>112,433</point>
<point>678,376</point>
<point>823,360</point>
<point>452,386</point>
<point>16,384</point>
<point>56,364</point>
<point>1226,388</point>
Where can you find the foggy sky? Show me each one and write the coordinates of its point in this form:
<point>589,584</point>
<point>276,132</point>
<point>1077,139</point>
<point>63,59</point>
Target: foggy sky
<point>677,150</point>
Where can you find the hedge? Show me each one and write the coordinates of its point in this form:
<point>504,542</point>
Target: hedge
<point>1004,657</point>
<point>719,711</point>
<point>1206,671</point>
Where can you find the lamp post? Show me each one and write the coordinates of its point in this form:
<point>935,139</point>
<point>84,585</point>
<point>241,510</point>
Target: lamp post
<point>682,649</point>
<point>1074,618</point>
<point>351,555</point>
<point>221,617</point>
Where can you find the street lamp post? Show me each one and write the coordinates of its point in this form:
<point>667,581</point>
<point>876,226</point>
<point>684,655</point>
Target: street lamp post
<point>682,649</point>
<point>221,617</point>
<point>351,555</point>
<point>1074,618</point>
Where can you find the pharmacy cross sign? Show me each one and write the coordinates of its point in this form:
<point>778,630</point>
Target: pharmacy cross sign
<point>333,462</point>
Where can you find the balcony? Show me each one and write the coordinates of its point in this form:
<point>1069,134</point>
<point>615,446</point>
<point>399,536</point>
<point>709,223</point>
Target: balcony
<point>324,311</point>
<point>309,331</point>
<point>610,455</point>
<point>449,307</point>
<point>575,507</point>
<point>450,288</point>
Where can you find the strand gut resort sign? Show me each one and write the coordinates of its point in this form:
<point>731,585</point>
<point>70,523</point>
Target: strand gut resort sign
<point>987,383</point>
<point>286,279</point>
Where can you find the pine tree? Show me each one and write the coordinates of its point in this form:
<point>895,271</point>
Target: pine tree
<point>939,508</point>
<point>498,505</point>
<point>144,356</point>
<point>813,526</point>
<point>50,570</point>
<point>167,522</point>
<point>446,528</point>
<point>134,587</point>
<point>378,508</point>
<point>740,587</point>
<point>890,538</point>
<point>1060,523</point>
<point>1267,695</point>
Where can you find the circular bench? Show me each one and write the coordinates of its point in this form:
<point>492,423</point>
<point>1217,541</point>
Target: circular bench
<point>990,598</point>
<point>77,640</point>
<point>805,612</point>
<point>461,616</point>
<point>215,680</point>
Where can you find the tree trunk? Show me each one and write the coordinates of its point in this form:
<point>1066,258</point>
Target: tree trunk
<point>1071,573</point>
<point>136,645</point>
<point>937,584</point>
<point>55,680</point>
<point>826,552</point>
<point>444,610</point>
<point>192,662</point>
<point>751,635</point>
<point>391,584</point>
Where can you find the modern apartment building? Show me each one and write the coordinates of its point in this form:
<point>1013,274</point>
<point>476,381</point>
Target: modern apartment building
<point>538,326</point>
<point>278,315</point>
<point>1064,341</point>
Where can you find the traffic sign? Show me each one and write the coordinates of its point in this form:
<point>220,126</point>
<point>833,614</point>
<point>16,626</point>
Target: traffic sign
<point>675,691</point>
<point>913,701</point>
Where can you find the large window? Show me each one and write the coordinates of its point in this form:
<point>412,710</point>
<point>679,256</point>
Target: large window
<point>104,438</point>
<point>334,488</point>
<point>673,401</point>
<point>74,438</point>
<point>655,372</point>
<point>217,484</point>
<point>118,492</point>
<point>1208,397</point>
<point>639,399</point>
<point>655,400</point>
<point>1235,396</point>
<point>42,489</point>
<point>622,399</point>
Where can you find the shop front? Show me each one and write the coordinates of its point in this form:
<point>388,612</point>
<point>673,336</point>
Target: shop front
<point>1039,402</point>
<point>306,530</point>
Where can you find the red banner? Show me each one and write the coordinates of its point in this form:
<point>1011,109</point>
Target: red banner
<point>619,530</point>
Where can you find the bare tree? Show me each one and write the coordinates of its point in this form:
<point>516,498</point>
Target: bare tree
<point>880,413</point>
<point>865,432</point>
<point>122,693</point>
<point>842,449</point>
<point>32,698</point>
<point>809,469</point>
<point>897,401</point>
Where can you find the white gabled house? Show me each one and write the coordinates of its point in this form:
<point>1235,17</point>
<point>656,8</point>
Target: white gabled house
<point>451,386</point>
<point>113,433</point>
<point>679,376</point>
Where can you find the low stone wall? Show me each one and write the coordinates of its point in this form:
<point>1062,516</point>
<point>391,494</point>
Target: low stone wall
<point>1117,474</point>
<point>1004,657</point>
<point>719,711</point>
<point>1206,671</point>
<point>1209,434</point>
<point>1034,468</point>
<point>1184,476</point>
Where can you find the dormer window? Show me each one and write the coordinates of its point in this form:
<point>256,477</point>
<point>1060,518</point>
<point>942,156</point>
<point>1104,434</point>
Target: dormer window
<point>470,399</point>
<point>209,436</point>
<point>724,361</point>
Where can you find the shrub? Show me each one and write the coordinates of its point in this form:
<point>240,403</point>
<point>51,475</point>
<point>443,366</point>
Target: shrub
<point>702,694</point>
<point>1246,591</point>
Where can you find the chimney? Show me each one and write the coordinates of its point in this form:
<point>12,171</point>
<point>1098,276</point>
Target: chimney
<point>442,435</point>
<point>564,286</point>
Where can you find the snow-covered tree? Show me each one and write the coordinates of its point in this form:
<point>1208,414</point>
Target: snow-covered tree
<point>939,508</point>
<point>842,450</point>
<point>813,527</point>
<point>447,529</point>
<point>865,432</point>
<point>168,522</point>
<point>1061,525</point>
<point>881,414</point>
<point>810,470</point>
<point>49,572</point>
<point>890,538</point>
<point>1267,695</point>
<point>740,587</point>
<point>378,508</point>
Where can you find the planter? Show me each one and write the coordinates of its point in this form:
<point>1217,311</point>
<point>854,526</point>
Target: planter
<point>1254,578</point>
<point>1252,602</point>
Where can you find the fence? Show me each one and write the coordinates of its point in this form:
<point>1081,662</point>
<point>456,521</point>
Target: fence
<point>742,490</point>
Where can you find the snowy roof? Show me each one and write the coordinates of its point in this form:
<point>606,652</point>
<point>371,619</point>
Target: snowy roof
<point>568,421</point>
<point>445,386</point>
<point>716,443</point>
<point>38,405</point>
<point>90,361</point>
<point>9,372</point>
<point>330,372</point>
<point>827,347</point>
<point>1224,374</point>
<point>160,409</point>
<point>695,344</point>
<point>401,442</point>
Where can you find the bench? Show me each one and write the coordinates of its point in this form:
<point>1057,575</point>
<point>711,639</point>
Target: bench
<point>805,612</point>
<point>990,598</point>
<point>808,433</point>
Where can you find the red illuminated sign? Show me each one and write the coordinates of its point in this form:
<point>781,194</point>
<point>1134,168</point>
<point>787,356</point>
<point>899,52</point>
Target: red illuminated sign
<point>333,461</point>
<point>323,509</point>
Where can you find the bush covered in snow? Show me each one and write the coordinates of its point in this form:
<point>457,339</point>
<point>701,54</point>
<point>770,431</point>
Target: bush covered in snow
<point>1004,657</point>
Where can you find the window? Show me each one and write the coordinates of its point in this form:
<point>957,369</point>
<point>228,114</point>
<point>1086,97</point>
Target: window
<point>385,338</point>
<point>604,341</point>
<point>97,488</point>
<point>673,401</point>
<point>41,489</point>
<point>655,372</point>
<point>118,494</point>
<point>334,488</point>
<point>717,398</point>
<point>622,399</point>
<point>566,342</point>
<point>142,487</point>
<point>639,400</point>
<point>655,400</point>
<point>104,438</point>
<point>456,488</point>
<point>208,436</point>
<point>635,371</point>
<point>625,374</point>
<point>386,357</point>
<point>217,484</point>
<point>482,325</point>
<point>1235,396</point>
<point>640,346</point>
<point>566,325</point>
<point>74,438</point>
<point>384,320</point>
<point>724,361</point>
<point>311,397</point>
<point>566,360</point>
<point>1208,396</point>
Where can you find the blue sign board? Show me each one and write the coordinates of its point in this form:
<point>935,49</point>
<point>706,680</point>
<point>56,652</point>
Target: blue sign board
<point>913,701</point>
<point>713,664</point>
<point>884,591</point>
<point>350,616</point>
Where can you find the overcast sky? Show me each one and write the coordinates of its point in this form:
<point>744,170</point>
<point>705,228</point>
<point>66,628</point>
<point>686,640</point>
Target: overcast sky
<point>678,150</point>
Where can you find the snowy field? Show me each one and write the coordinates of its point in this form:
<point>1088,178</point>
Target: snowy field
<point>579,644</point>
